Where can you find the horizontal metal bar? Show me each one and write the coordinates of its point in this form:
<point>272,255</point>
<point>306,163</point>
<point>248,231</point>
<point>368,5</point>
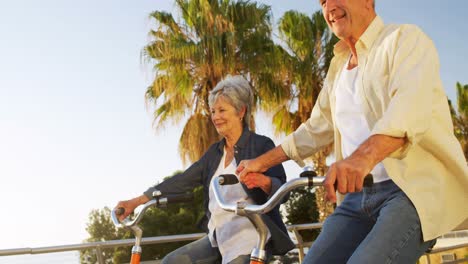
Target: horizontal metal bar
<point>442,249</point>
<point>103,244</point>
<point>305,226</point>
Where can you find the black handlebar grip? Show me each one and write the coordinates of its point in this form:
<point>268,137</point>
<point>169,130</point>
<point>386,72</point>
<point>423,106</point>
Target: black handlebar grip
<point>228,179</point>
<point>368,180</point>
<point>179,198</point>
<point>120,211</point>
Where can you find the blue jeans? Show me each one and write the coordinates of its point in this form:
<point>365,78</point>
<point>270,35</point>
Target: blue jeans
<point>377,225</point>
<point>200,252</point>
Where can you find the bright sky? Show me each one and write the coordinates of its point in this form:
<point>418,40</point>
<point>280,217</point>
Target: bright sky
<point>74,131</point>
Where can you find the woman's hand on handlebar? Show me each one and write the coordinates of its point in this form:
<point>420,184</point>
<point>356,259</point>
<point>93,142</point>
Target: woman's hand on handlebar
<point>130,205</point>
<point>253,179</point>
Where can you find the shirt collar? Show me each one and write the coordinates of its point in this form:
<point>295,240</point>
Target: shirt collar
<point>366,40</point>
<point>241,142</point>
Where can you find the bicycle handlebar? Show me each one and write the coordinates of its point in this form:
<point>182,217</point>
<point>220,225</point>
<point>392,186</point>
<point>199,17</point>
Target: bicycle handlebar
<point>306,179</point>
<point>270,204</point>
<point>158,201</point>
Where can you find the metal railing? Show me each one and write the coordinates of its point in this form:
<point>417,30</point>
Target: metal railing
<point>301,244</point>
<point>444,249</point>
<point>98,246</point>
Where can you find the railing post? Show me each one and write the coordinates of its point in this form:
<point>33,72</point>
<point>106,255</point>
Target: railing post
<point>428,258</point>
<point>300,245</point>
<point>99,255</point>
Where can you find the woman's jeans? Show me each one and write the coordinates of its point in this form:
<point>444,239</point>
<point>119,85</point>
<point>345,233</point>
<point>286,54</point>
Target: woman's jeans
<point>377,225</point>
<point>200,252</point>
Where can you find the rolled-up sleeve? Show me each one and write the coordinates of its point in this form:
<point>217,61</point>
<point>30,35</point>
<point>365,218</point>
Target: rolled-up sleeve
<point>413,77</point>
<point>312,135</point>
<point>276,173</point>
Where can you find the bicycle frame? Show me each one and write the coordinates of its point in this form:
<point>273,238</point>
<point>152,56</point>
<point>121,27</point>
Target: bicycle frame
<point>253,212</point>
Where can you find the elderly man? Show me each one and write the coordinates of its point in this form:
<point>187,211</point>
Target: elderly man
<point>384,108</point>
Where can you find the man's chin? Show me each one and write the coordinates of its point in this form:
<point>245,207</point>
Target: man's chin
<point>339,33</point>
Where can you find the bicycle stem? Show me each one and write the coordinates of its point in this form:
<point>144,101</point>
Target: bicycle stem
<point>259,252</point>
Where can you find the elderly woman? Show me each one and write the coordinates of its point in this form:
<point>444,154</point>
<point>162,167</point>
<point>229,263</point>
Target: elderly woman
<point>230,238</point>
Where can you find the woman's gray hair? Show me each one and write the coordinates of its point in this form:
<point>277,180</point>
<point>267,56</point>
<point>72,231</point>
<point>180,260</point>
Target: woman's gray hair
<point>236,90</point>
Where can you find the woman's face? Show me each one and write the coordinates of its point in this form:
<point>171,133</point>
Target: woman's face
<point>225,117</point>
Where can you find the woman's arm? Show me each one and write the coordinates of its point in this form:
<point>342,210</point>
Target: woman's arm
<point>179,183</point>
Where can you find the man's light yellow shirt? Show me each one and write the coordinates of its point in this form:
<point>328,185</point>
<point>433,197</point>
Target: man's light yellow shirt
<point>399,83</point>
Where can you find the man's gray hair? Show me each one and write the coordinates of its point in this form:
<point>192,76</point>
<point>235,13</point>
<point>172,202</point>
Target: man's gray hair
<point>236,90</point>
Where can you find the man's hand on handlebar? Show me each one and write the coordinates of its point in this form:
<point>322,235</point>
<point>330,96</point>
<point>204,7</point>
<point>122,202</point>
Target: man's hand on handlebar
<point>130,205</point>
<point>346,176</point>
<point>248,166</point>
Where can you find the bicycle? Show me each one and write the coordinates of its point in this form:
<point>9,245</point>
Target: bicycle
<point>307,178</point>
<point>158,201</point>
<point>253,212</point>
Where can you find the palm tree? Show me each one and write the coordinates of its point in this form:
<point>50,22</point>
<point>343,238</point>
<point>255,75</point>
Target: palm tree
<point>460,119</point>
<point>309,48</point>
<point>214,38</point>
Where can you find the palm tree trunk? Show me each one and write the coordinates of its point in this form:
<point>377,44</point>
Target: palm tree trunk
<point>324,207</point>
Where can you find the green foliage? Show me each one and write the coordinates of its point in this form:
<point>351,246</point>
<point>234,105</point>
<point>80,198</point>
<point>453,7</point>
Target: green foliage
<point>290,258</point>
<point>305,61</point>
<point>301,208</point>
<point>460,117</point>
<point>462,99</point>
<point>101,228</point>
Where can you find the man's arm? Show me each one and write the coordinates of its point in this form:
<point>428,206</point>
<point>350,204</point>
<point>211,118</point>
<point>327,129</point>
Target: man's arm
<point>262,162</point>
<point>349,173</point>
